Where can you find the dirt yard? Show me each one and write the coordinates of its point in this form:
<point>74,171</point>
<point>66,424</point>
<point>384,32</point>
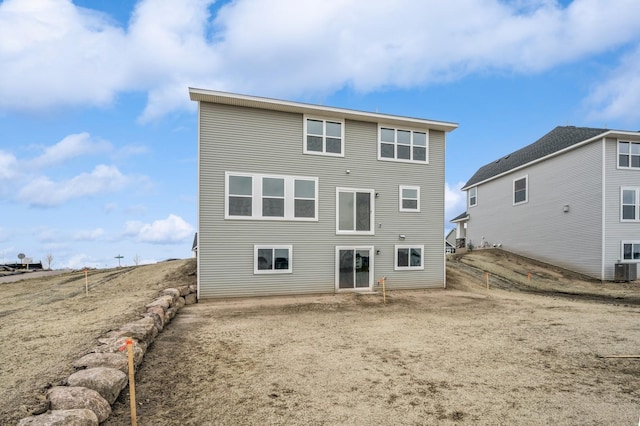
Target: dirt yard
<point>547,353</point>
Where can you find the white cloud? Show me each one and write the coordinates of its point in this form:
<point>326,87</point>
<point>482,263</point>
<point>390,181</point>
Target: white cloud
<point>42,191</point>
<point>171,230</point>
<point>455,201</point>
<point>80,261</point>
<point>8,166</point>
<point>71,146</point>
<point>254,46</point>
<point>88,234</point>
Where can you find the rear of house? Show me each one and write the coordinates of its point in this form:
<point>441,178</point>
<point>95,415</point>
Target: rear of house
<point>297,198</point>
<point>561,200</point>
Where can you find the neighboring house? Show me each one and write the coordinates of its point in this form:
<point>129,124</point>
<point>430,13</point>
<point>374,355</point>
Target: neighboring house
<point>297,198</point>
<point>570,199</point>
<point>450,241</point>
<point>194,246</point>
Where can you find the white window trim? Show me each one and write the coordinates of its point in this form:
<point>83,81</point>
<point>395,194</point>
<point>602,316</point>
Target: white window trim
<point>618,156</point>
<point>409,129</point>
<point>256,197</point>
<point>622,259</point>
<point>400,198</point>
<point>637,204</point>
<point>408,268</point>
<point>475,188</point>
<point>371,215</point>
<point>257,247</point>
<point>513,190</point>
<point>324,136</point>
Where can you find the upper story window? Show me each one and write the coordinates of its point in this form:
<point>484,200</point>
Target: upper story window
<point>629,155</point>
<point>409,198</point>
<point>354,213</point>
<point>270,197</point>
<point>521,190</point>
<point>402,145</point>
<point>409,257</point>
<point>473,196</point>
<point>630,204</point>
<point>323,136</point>
<point>631,250</point>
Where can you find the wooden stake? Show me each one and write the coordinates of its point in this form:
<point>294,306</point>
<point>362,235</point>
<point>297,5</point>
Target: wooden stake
<point>487,277</point>
<point>620,356</point>
<point>529,277</point>
<point>86,282</point>
<point>132,385</point>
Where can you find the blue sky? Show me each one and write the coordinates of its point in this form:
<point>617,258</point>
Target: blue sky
<point>98,137</point>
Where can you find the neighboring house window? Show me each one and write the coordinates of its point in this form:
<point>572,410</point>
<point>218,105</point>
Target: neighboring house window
<point>409,257</point>
<point>354,211</point>
<point>270,197</point>
<point>520,190</point>
<point>473,196</point>
<point>402,145</point>
<point>629,155</point>
<point>409,198</point>
<point>323,137</point>
<point>631,250</point>
<point>268,259</point>
<point>630,204</point>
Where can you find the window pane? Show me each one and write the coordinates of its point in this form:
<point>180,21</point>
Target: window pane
<point>627,251</point>
<point>282,259</point>
<point>623,160</point>
<point>419,139</point>
<point>334,129</point>
<point>404,137</point>
<point>240,185</point>
<point>624,147</point>
<point>305,188</point>
<point>410,204</point>
<point>409,193</point>
<point>305,208</point>
<point>387,135</point>
<point>314,143</point>
<point>636,251</point>
<point>386,150</point>
<point>314,127</point>
<point>520,196</point>
<point>273,187</point>
<point>239,206</point>
<point>334,146</point>
<point>635,148</point>
<point>345,208</point>
<point>419,154</point>
<point>416,257</point>
<point>520,184</point>
<point>404,152</point>
<point>629,212</point>
<point>265,259</point>
<point>628,196</point>
<point>273,207</point>
<point>363,211</point>
<point>403,257</point>
<point>635,161</point>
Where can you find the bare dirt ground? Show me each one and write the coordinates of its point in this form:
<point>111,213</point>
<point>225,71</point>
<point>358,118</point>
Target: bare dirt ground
<point>47,321</point>
<point>464,355</point>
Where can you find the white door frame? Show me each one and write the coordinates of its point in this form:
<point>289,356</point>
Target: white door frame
<point>371,268</point>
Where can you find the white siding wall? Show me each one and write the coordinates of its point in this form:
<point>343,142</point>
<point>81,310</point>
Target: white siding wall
<point>260,141</point>
<point>540,229</point>
<point>616,230</point>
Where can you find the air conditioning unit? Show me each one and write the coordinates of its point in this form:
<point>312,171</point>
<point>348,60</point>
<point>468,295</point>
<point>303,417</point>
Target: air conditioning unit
<point>626,272</point>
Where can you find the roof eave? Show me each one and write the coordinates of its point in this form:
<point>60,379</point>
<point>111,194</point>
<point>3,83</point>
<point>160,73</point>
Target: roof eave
<point>204,95</point>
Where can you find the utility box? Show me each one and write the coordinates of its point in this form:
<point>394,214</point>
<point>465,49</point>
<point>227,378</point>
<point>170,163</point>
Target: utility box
<point>626,272</point>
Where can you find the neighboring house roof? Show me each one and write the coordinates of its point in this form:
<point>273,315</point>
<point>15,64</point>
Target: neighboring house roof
<point>194,247</point>
<point>558,139</point>
<point>448,244</point>
<point>460,217</point>
<point>202,95</point>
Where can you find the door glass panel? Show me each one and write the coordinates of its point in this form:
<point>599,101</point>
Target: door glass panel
<point>363,211</point>
<point>346,275</point>
<point>345,221</point>
<point>362,268</point>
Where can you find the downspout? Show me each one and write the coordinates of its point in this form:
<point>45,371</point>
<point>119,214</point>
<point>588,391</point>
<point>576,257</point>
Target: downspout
<point>604,210</point>
<point>198,233</point>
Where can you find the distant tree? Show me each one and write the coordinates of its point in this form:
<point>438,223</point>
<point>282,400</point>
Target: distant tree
<point>49,259</point>
<point>136,259</point>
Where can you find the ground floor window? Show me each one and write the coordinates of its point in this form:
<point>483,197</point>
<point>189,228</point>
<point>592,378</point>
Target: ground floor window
<point>409,257</point>
<point>631,250</point>
<point>272,259</point>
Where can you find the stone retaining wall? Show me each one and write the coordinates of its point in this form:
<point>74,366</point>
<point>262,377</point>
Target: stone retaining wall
<point>103,373</point>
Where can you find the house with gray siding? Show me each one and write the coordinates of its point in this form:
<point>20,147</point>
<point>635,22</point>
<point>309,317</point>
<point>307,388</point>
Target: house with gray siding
<point>295,198</point>
<point>571,199</point>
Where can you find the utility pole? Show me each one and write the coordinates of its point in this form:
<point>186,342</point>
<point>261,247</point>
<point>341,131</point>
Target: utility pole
<point>119,257</point>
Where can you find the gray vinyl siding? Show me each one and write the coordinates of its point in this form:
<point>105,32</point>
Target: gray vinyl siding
<point>539,228</point>
<point>617,231</point>
<point>238,139</point>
